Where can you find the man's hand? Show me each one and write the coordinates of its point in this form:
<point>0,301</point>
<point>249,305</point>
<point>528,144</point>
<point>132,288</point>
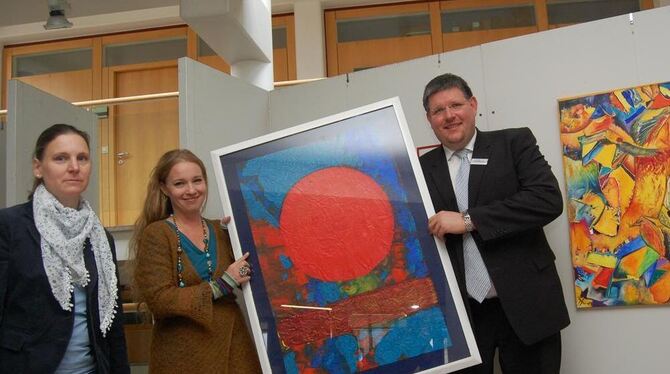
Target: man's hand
<point>446,222</point>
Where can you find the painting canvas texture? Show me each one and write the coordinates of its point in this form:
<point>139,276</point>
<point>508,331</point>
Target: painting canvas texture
<point>616,156</point>
<point>346,277</point>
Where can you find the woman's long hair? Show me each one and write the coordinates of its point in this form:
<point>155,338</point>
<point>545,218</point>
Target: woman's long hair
<point>157,205</point>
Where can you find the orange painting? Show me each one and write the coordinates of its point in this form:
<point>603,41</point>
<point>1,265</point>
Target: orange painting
<point>616,156</point>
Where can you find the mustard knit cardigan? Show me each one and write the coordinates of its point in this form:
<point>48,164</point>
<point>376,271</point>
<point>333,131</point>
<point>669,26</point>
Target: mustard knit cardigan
<point>192,333</point>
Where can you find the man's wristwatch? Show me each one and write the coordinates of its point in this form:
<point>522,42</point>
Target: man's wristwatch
<point>469,226</point>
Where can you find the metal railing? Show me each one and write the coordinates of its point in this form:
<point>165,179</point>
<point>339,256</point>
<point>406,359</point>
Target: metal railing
<point>162,95</point>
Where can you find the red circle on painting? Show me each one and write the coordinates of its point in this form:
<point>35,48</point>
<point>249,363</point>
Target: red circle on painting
<point>337,224</point>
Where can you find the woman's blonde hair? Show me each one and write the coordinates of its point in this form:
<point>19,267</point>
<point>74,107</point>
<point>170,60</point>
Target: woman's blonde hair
<point>157,205</point>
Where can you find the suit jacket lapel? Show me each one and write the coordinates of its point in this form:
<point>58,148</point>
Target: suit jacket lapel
<point>32,229</point>
<point>440,174</point>
<point>481,150</point>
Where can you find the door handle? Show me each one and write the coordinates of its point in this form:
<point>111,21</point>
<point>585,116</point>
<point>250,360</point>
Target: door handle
<point>121,157</point>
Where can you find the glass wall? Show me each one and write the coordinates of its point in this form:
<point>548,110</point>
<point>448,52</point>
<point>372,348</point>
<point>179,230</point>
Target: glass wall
<point>144,51</point>
<point>566,12</point>
<point>399,32</point>
<point>459,20</point>
<point>52,62</point>
<point>394,26</point>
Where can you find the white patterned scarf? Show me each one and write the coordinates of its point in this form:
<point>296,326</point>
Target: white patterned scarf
<point>64,231</point>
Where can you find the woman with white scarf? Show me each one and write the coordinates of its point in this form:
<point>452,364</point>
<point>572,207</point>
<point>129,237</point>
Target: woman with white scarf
<point>59,305</point>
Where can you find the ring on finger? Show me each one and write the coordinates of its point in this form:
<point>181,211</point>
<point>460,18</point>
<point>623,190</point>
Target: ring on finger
<point>245,271</point>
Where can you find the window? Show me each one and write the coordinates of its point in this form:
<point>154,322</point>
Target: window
<point>352,30</point>
<point>561,12</point>
<point>146,51</point>
<point>51,62</point>
<point>488,18</point>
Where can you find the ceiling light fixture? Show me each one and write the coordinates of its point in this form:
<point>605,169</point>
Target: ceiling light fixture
<point>57,18</point>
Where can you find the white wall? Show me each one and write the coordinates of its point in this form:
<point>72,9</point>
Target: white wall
<point>31,111</point>
<point>524,78</point>
<point>298,104</point>
<point>216,110</point>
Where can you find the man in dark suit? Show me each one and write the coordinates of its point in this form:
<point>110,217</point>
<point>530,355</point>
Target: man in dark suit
<point>493,193</point>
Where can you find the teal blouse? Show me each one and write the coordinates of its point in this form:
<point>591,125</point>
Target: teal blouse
<point>197,257</point>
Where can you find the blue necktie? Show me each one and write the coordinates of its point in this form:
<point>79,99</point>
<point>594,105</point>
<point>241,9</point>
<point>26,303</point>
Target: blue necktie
<point>477,279</point>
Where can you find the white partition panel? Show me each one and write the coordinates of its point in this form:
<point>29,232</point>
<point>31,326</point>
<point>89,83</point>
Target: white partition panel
<point>30,111</point>
<point>290,106</point>
<point>216,110</point>
<point>524,79</point>
<point>650,43</point>
<point>407,81</point>
<point>3,163</point>
<point>294,105</point>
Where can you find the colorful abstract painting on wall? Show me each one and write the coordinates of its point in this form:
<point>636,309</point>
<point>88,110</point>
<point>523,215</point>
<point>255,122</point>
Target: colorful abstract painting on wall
<point>616,155</point>
<point>347,278</point>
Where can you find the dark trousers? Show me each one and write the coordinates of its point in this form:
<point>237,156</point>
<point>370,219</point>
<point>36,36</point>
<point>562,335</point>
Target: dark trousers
<point>493,331</point>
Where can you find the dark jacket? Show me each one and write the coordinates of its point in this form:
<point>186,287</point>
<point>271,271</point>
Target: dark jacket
<point>511,198</point>
<point>34,329</point>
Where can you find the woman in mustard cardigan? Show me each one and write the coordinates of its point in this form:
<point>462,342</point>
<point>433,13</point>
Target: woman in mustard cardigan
<point>185,271</point>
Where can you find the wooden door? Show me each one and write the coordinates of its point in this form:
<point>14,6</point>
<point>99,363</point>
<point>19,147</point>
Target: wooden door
<point>70,86</point>
<point>140,133</point>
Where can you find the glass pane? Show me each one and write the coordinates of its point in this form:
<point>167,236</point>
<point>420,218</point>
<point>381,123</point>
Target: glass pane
<point>383,27</point>
<point>52,62</point>
<point>487,19</point>
<point>279,37</point>
<point>135,53</point>
<point>577,11</point>
<point>204,49</point>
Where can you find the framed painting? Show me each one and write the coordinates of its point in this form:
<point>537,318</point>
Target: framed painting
<point>616,156</point>
<point>346,277</point>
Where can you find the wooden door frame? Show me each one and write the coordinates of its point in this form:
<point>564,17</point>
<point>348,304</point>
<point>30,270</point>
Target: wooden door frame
<point>369,11</point>
<point>9,52</point>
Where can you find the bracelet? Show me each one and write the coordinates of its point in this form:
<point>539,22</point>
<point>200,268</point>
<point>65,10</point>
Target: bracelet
<point>216,291</point>
<point>226,289</point>
<point>220,288</point>
<point>229,279</point>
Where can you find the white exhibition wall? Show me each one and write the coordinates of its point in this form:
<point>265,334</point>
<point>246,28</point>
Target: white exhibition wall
<point>3,162</point>
<point>298,104</point>
<point>216,110</point>
<point>24,125</point>
<point>518,83</point>
<point>524,78</point>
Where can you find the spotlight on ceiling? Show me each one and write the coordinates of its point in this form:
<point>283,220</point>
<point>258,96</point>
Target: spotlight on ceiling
<point>57,18</point>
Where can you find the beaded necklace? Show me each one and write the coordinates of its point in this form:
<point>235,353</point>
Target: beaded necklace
<point>180,264</point>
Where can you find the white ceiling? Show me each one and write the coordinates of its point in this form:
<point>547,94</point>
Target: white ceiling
<point>18,12</point>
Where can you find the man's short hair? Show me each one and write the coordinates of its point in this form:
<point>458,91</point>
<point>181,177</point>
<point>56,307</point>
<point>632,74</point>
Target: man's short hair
<point>444,82</point>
